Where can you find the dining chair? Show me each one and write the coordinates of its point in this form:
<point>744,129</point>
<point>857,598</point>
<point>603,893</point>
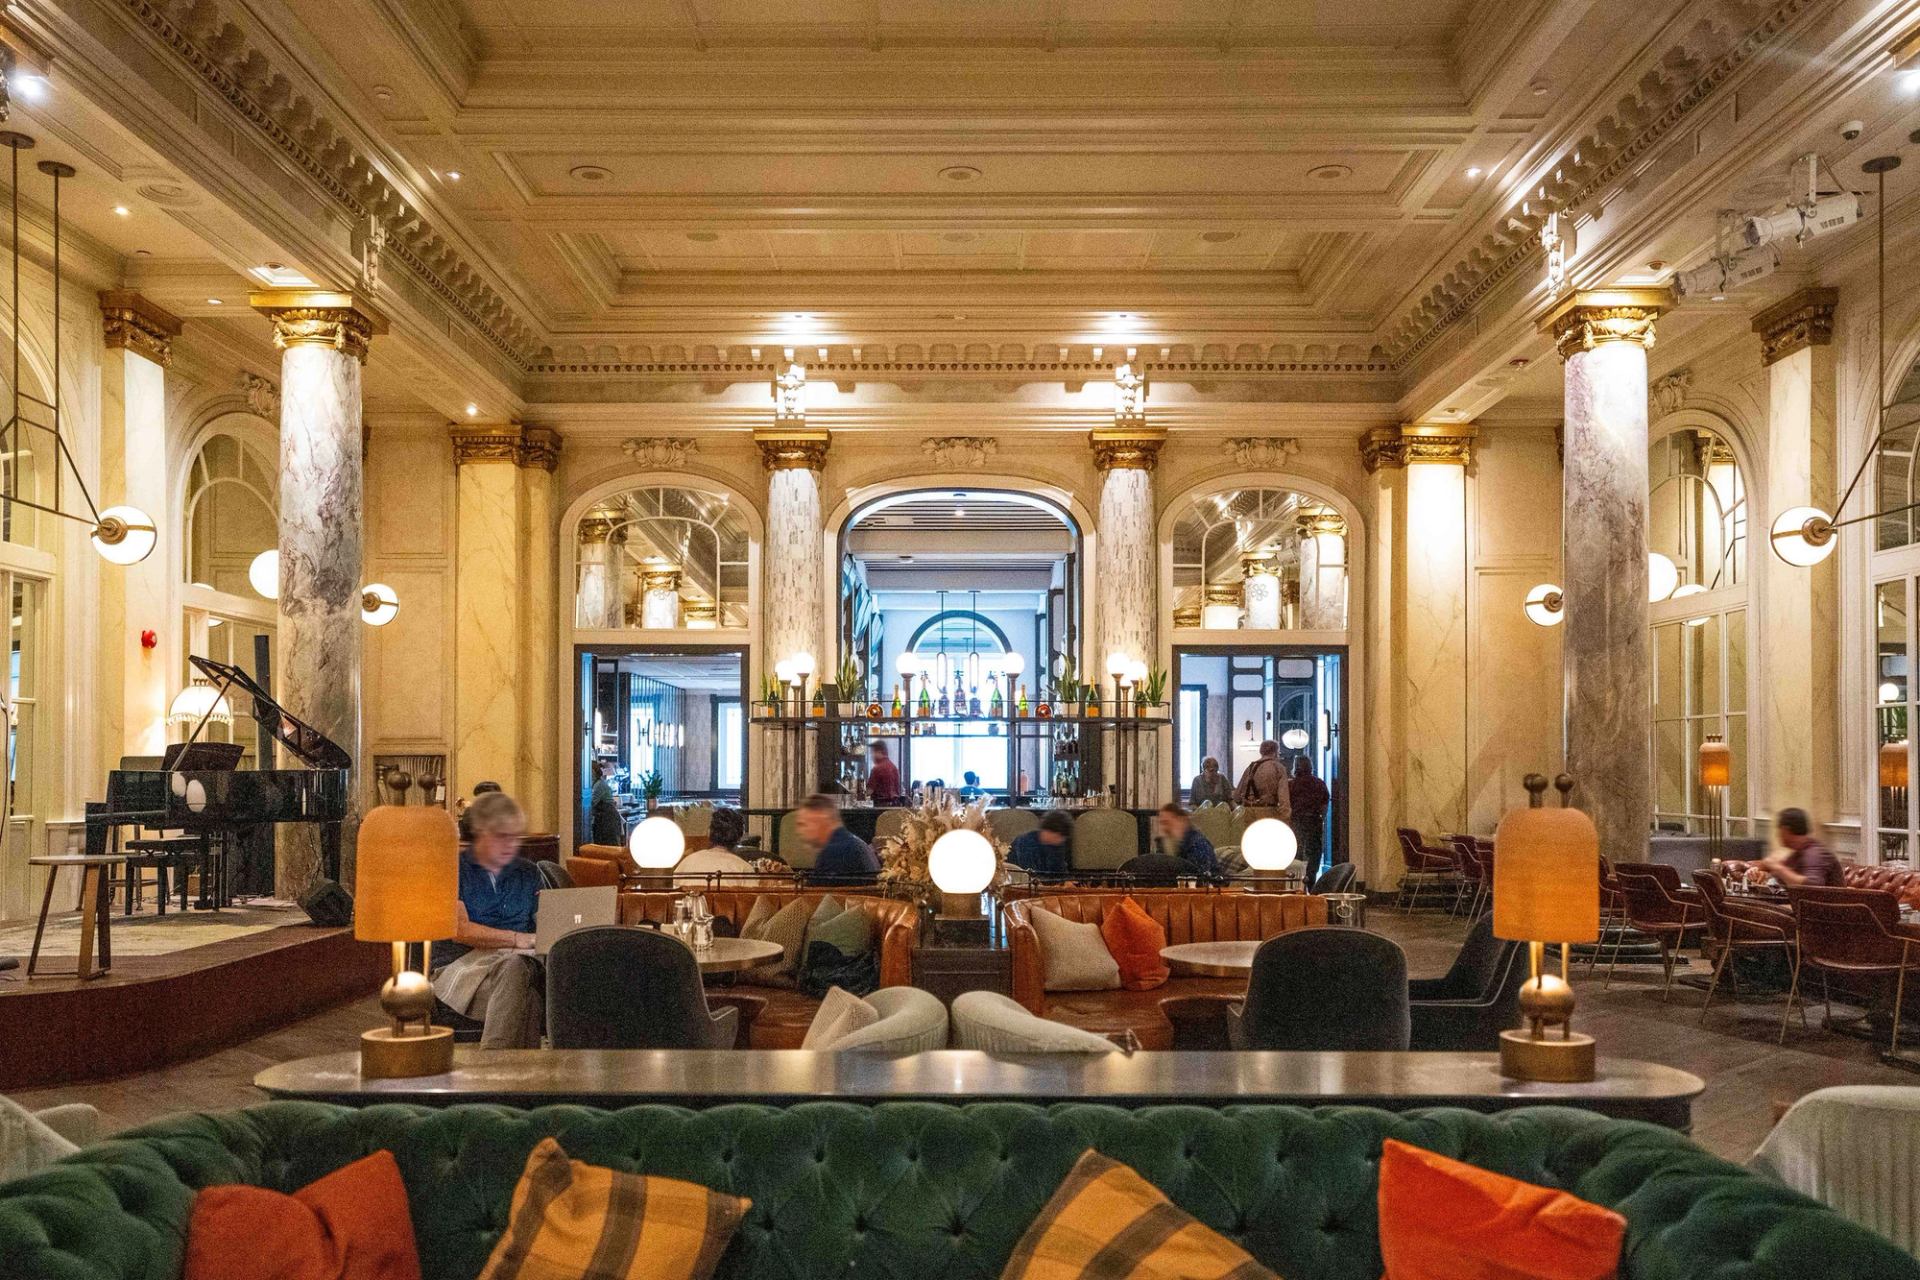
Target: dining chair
<point>1855,933</point>
<point>619,987</point>
<point>1736,928</point>
<point>1324,989</point>
<point>1426,867</point>
<point>1657,912</point>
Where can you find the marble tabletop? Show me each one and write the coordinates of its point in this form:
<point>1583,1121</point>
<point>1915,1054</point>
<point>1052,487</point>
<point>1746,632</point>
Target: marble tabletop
<point>728,955</point>
<point>1211,959</point>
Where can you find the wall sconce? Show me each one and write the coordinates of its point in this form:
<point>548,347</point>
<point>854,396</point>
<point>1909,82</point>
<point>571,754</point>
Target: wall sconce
<point>379,604</point>
<point>1663,577</point>
<point>263,575</point>
<point>1546,606</point>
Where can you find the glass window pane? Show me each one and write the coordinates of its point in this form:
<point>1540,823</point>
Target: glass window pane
<point>1669,697</point>
<point>1892,695</point>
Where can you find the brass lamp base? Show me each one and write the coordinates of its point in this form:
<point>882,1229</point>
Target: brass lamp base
<point>1554,1060</point>
<point>389,1055</point>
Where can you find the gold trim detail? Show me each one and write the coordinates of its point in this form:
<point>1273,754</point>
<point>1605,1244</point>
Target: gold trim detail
<point>539,448</point>
<point>1450,443</point>
<point>1793,324</point>
<point>789,453</point>
<point>130,321</point>
<point>529,447</point>
<point>1126,449</point>
<point>320,318</point>
<point>1592,317</point>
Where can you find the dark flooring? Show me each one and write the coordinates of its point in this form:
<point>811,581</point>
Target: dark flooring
<point>1748,1074</point>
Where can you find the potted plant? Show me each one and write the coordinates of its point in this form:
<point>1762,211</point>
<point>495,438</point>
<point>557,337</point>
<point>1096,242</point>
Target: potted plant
<point>651,785</point>
<point>848,684</point>
<point>1153,691</point>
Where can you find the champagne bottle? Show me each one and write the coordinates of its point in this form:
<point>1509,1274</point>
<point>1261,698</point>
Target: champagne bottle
<point>996,706</point>
<point>898,709</point>
<point>1020,708</point>
<point>926,698</point>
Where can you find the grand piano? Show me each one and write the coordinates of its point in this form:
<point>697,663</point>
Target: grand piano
<point>197,790</point>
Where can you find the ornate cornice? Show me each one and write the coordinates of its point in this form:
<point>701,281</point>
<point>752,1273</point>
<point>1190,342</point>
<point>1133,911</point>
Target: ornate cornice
<point>1796,323</point>
<point>131,322</point>
<point>1347,361</point>
<point>1262,453</point>
<point>960,453</point>
<point>1592,317</point>
<point>798,451</point>
<point>1450,443</point>
<point>1679,81</point>
<point>243,74</point>
<point>345,322</point>
<point>660,453</point>
<point>530,447</point>
<point>539,448</point>
<point>1126,450</point>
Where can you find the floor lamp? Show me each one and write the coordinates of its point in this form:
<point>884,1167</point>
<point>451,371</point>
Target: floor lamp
<point>1716,774</point>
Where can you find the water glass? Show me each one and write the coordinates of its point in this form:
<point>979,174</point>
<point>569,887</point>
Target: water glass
<point>702,934</point>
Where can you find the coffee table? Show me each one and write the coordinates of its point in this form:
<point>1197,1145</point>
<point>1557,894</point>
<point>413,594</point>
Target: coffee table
<point>730,955</point>
<point>1211,959</point>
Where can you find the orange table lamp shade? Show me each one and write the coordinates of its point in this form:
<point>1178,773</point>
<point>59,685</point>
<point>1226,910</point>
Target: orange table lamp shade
<point>1716,764</point>
<point>407,876</point>
<point>1546,877</point>
<point>1893,764</point>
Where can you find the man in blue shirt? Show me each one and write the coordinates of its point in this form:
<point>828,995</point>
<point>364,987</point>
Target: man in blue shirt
<point>840,857</point>
<point>1181,839</point>
<point>488,970</point>
<point>1046,851</point>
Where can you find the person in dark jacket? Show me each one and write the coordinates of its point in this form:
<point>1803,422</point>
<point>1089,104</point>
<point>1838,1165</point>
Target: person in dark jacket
<point>1181,838</point>
<point>840,857</point>
<point>604,819</point>
<point>1048,849</point>
<point>1309,799</point>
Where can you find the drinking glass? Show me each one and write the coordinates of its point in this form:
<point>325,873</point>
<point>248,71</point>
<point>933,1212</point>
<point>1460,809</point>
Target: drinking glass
<point>702,939</point>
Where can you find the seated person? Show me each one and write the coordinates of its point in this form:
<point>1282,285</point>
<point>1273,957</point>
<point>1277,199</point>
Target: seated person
<point>1048,849</point>
<point>840,857</point>
<point>607,823</point>
<point>479,789</point>
<point>1156,870</point>
<point>729,826</point>
<point>487,970</point>
<point>1210,786</point>
<point>970,790</point>
<point>1806,861</point>
<point>1181,838</point>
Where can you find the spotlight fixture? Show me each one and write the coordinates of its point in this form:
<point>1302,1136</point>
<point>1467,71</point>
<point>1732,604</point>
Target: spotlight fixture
<point>1723,273</point>
<point>454,175</point>
<point>473,410</point>
<point>1813,214</point>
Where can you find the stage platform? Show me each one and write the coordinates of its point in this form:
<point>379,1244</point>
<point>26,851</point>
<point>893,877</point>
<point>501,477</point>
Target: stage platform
<point>182,985</point>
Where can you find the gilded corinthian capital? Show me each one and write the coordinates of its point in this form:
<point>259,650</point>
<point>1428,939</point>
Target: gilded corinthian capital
<point>320,318</point>
<point>1592,317</point>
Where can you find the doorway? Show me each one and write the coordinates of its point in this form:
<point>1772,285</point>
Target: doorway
<point>673,720</point>
<point>1228,699</point>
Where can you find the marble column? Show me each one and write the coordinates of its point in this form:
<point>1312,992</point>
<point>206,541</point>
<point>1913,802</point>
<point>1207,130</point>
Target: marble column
<point>794,458</point>
<point>1798,726</point>
<point>592,603</point>
<point>1260,589</point>
<point>540,782</point>
<point>1428,536</point>
<point>1603,336</point>
<point>1323,571</point>
<point>323,338</point>
<point>138,336</point>
<point>1125,579</point>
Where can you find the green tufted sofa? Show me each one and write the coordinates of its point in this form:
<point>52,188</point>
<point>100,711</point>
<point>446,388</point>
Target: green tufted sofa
<point>925,1190</point>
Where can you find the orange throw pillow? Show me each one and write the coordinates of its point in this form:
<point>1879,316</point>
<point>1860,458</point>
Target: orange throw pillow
<point>352,1224</point>
<point>1135,939</point>
<point>1441,1219</point>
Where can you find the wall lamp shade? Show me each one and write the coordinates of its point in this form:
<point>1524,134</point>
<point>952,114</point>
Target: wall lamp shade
<point>657,844</point>
<point>1546,877</point>
<point>406,876</point>
<point>1691,589</point>
<point>379,604</point>
<point>1663,577</point>
<point>1546,606</point>
<point>961,862</point>
<point>1118,665</point>
<point>1716,763</point>
<point>199,701</point>
<point>1269,845</point>
<point>1894,766</point>
<point>1802,536</point>
<point>124,535</point>
<point>263,575</point>
<point>1013,664</point>
<point>1293,739</point>
<point>802,664</point>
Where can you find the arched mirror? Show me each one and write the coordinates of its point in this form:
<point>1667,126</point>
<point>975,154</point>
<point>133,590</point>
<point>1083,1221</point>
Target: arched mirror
<point>661,557</point>
<point>1260,559</point>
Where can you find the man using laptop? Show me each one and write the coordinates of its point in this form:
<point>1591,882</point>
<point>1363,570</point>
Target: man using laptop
<point>487,970</point>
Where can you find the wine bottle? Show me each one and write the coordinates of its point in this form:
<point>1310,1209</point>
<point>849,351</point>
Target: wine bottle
<point>926,698</point>
<point>996,706</point>
<point>899,709</point>
<point>946,704</point>
<point>1020,708</point>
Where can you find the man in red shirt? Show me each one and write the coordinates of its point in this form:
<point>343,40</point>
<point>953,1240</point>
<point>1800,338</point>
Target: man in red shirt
<point>883,779</point>
<point>1806,860</point>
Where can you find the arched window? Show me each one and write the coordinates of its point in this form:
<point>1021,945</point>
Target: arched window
<point>661,556</point>
<point>231,514</point>
<point>1697,508</point>
<point>1260,559</point>
<point>1894,485</point>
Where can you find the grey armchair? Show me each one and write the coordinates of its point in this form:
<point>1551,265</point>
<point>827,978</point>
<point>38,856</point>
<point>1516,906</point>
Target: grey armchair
<point>1287,1004</point>
<point>620,987</point>
<point>1477,999</point>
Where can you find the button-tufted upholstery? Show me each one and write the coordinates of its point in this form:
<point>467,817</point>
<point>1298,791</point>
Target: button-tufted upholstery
<point>783,1022</point>
<point>933,1191</point>
<point>1898,879</point>
<point>1186,915</point>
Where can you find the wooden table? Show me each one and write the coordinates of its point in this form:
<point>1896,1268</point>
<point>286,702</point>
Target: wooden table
<point>96,909</point>
<point>1211,959</point>
<point>730,955</point>
<point>1625,1089</point>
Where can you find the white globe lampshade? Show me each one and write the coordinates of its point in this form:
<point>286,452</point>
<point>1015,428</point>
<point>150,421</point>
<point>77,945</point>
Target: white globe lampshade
<point>802,664</point>
<point>1663,577</point>
<point>1293,740</point>
<point>1802,536</point>
<point>379,604</point>
<point>263,575</point>
<point>1269,845</point>
<point>1546,607</point>
<point>1117,665</point>
<point>125,535</point>
<point>1013,664</point>
<point>1692,589</point>
<point>657,844</point>
<point>961,862</point>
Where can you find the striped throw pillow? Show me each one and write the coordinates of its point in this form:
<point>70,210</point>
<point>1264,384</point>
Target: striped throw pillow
<point>571,1220</point>
<point>1106,1222</point>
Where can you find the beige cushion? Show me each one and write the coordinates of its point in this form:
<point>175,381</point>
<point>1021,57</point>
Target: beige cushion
<point>911,1021</point>
<point>27,1143</point>
<point>994,1023</point>
<point>1073,957</point>
<point>787,926</point>
<point>841,1014</point>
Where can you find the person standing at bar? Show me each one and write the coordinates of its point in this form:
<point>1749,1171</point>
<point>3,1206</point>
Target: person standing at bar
<point>1262,791</point>
<point>1308,797</point>
<point>883,776</point>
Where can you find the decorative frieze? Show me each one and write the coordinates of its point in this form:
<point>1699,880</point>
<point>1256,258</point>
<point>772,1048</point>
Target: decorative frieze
<point>1668,393</point>
<point>1262,453</point>
<point>660,453</point>
<point>960,453</point>
<point>320,318</point>
<point>1449,443</point>
<point>129,321</point>
<point>262,394</point>
<point>1795,323</point>
<point>1592,317</point>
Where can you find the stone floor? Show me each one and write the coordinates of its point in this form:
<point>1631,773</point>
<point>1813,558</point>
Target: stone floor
<point>1747,1072</point>
<point>148,934</point>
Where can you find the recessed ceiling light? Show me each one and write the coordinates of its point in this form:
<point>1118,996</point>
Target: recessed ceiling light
<point>1719,297</point>
<point>958,494</point>
<point>960,173</point>
<point>1658,264</point>
<point>215,302</point>
<point>122,211</point>
<point>1539,88</point>
<point>473,411</point>
<point>1518,362</point>
<point>1330,172</point>
<point>591,172</point>
<point>143,253</point>
<point>703,237</point>
<point>454,175</point>
<point>1474,171</point>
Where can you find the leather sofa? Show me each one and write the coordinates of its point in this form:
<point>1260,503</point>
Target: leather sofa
<point>930,1190</point>
<point>1187,916</point>
<point>782,1021</point>
<point>1901,880</point>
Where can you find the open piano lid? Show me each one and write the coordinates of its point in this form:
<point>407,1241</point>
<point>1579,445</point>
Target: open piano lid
<point>313,747</point>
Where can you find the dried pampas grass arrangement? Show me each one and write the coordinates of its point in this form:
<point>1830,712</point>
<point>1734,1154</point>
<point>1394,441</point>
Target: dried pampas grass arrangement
<point>903,857</point>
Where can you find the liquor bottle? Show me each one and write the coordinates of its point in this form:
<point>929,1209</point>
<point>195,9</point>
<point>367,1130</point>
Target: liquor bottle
<point>898,708</point>
<point>819,703</point>
<point>946,704</point>
<point>996,705</point>
<point>1021,708</point>
<point>926,699</point>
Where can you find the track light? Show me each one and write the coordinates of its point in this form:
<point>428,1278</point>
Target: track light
<point>1802,222</point>
<point>1724,274</point>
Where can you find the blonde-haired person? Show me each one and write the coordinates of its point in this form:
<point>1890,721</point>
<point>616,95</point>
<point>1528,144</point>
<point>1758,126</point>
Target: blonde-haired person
<point>488,971</point>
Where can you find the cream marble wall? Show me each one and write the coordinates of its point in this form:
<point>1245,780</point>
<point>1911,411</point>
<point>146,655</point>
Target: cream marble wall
<point>490,603</point>
<point>1434,646</point>
<point>538,687</point>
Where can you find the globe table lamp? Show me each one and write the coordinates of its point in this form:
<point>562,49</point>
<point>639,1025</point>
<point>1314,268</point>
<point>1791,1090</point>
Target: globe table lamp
<point>1269,846</point>
<point>961,863</point>
<point>657,845</point>
<point>1546,888</point>
<point>406,882</point>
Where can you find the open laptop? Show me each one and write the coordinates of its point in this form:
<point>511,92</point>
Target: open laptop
<point>561,911</point>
